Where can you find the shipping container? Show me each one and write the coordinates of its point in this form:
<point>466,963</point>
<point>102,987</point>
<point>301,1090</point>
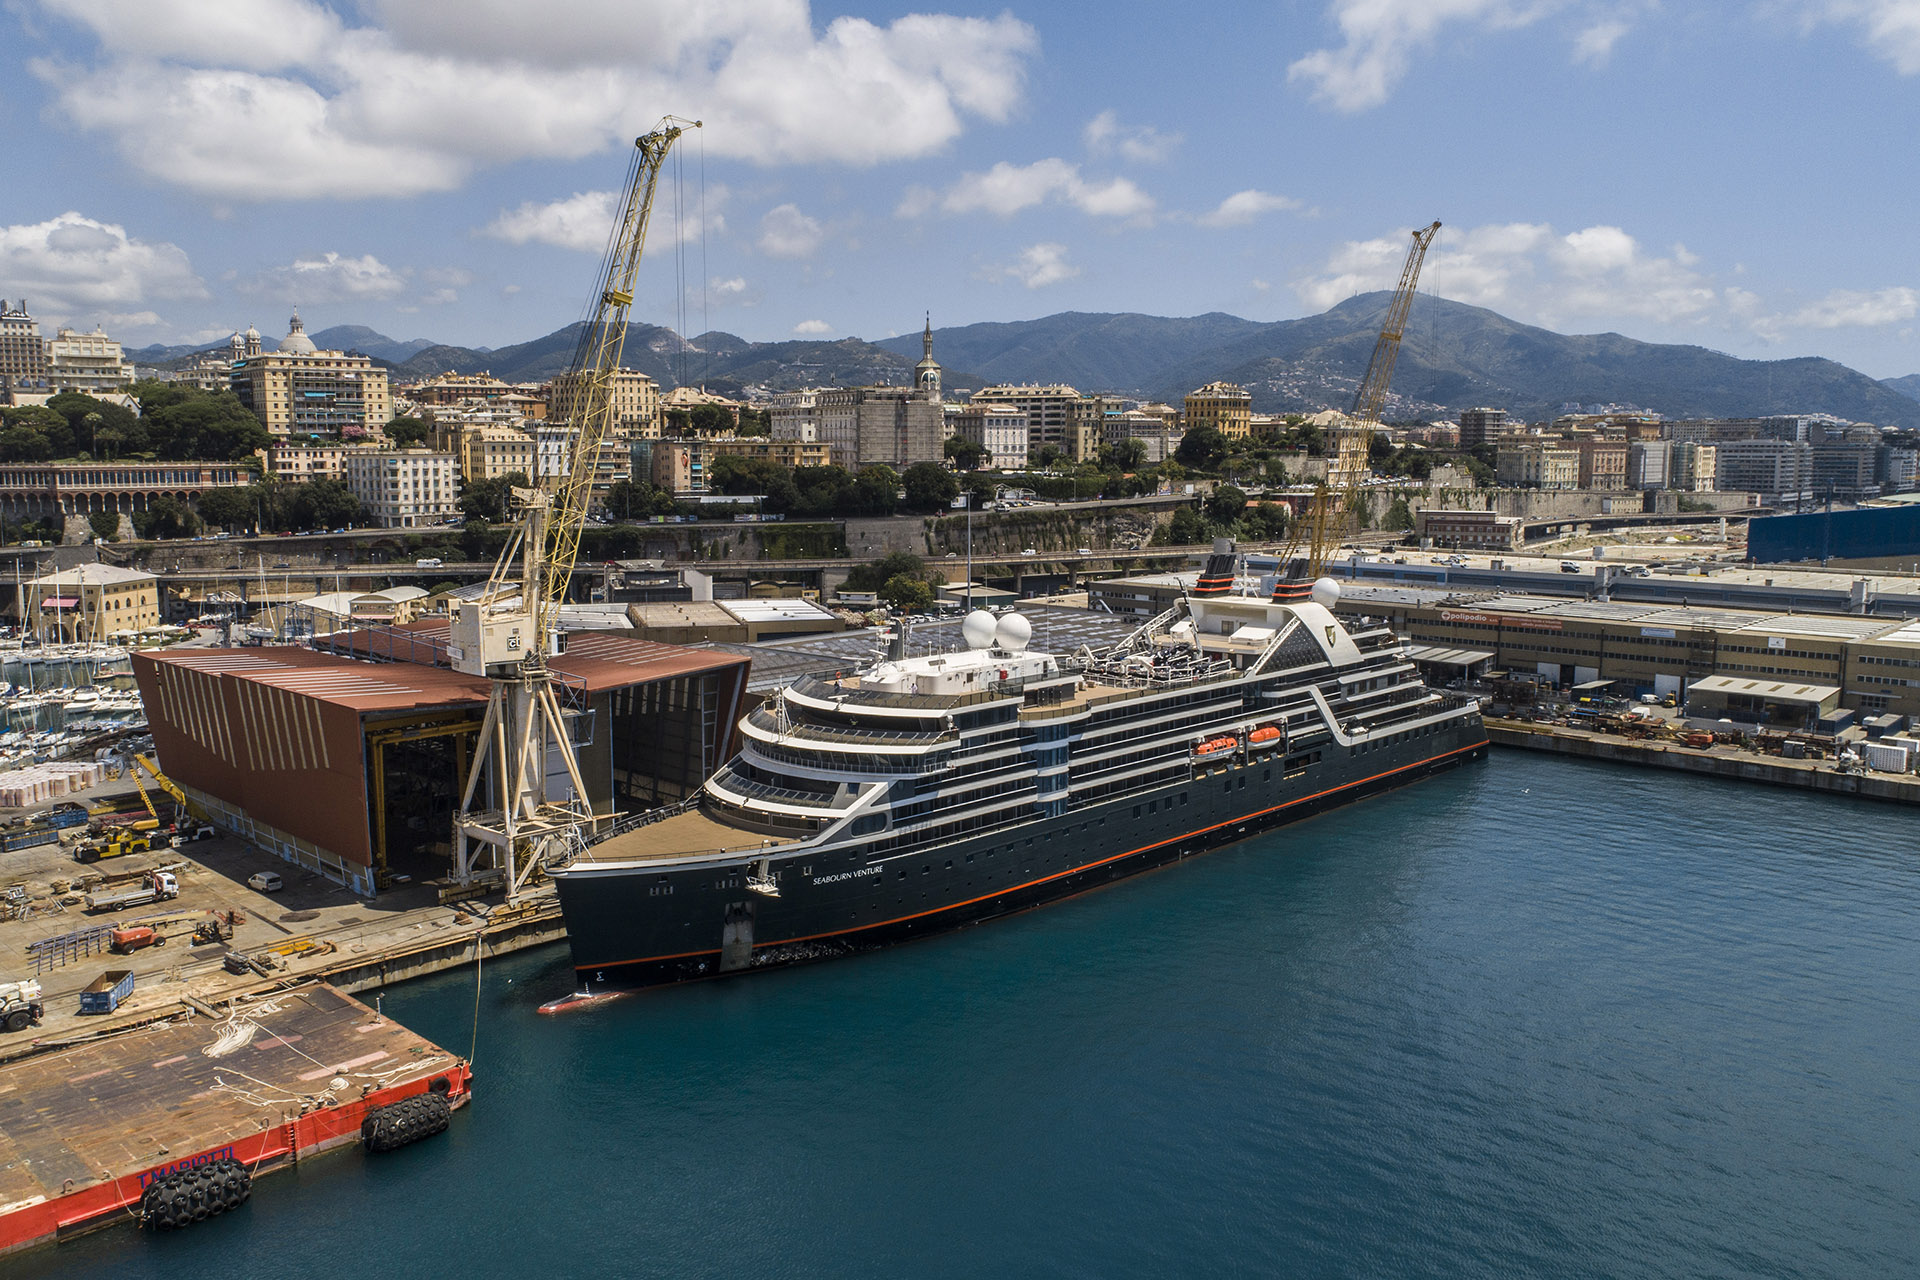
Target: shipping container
<point>104,993</point>
<point>1886,757</point>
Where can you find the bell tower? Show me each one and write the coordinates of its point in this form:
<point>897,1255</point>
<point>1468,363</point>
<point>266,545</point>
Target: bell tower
<point>926,374</point>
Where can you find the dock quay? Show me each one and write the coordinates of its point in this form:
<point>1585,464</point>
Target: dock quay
<point>1718,761</point>
<point>87,1130</point>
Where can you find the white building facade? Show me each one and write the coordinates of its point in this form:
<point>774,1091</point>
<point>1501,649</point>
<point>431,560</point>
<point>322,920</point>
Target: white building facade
<point>404,488</point>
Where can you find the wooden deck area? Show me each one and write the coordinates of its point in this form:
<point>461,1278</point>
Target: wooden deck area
<point>677,837</point>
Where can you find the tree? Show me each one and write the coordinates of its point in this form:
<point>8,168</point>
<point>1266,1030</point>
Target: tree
<point>1399,516</point>
<point>930,486</point>
<point>876,491</point>
<point>1187,528</point>
<point>1202,448</point>
<point>1129,454</point>
<point>105,524</point>
<point>165,517</point>
<point>756,422</point>
<point>212,427</point>
<point>1048,456</point>
<point>1225,504</point>
<point>964,453</point>
<point>233,509</point>
<point>24,443</point>
<point>323,504</point>
<point>711,420</point>
<point>906,593</point>
<point>875,574</point>
<point>489,499</point>
<point>408,433</point>
<point>1264,522</point>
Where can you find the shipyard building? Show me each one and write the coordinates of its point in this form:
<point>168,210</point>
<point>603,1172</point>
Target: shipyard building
<point>351,761</point>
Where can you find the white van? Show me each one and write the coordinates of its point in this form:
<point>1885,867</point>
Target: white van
<point>432,562</point>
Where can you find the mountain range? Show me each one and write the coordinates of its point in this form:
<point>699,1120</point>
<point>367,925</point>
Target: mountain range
<point>1453,356</point>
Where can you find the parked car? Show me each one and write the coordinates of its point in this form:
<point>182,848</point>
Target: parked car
<point>266,882</point>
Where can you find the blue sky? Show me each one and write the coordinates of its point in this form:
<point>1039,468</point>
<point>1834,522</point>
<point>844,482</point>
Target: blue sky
<point>1738,175</point>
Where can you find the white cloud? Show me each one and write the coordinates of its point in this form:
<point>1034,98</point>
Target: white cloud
<point>1142,143</point>
<point>1891,27</point>
<point>1594,46</point>
<point>1006,189</point>
<point>581,221</point>
<point>812,328</point>
<point>730,288</point>
<point>1528,271</point>
<point>288,99</point>
<point>1038,266</point>
<point>1853,308</point>
<point>328,278</point>
<point>74,269</point>
<point>1242,207</point>
<point>785,232</point>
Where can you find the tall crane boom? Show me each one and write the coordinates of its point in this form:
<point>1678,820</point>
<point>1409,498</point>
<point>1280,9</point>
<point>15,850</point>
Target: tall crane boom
<point>515,812</point>
<point>1349,463</point>
<point>596,359</point>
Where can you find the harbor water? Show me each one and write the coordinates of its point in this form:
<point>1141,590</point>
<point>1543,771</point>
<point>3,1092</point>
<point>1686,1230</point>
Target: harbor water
<point>1534,1018</point>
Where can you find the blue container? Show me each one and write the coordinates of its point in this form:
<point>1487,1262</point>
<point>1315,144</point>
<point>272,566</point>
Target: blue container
<point>104,993</point>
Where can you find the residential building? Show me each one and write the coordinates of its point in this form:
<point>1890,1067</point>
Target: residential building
<point>1844,469</point>
<point>1537,465</point>
<point>1693,466</point>
<point>1899,468</point>
<point>1000,429</point>
<point>488,452</point>
<point>300,391</point>
<point>1155,431</point>
<point>635,399</point>
<point>1780,471</point>
<point>1481,426</point>
<point>1224,406</point>
<point>1649,464</point>
<point>687,399</point>
<point>891,426</point>
<point>1603,464</point>
<point>793,415</point>
<point>88,362</point>
<point>446,390</point>
<point>1053,414</point>
<point>298,463</point>
<point>23,353</point>
<point>404,488</point>
<point>1467,530</point>
<point>91,603</point>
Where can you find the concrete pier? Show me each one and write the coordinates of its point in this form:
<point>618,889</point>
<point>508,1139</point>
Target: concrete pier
<point>1731,763</point>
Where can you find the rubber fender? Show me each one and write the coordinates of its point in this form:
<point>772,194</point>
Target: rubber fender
<point>191,1195</point>
<point>407,1121</point>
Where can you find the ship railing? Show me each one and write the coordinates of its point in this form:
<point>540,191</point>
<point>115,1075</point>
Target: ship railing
<point>636,821</point>
<point>761,718</point>
<point>741,785</point>
<point>825,686</point>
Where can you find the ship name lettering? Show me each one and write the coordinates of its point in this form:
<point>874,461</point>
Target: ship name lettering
<point>846,875</point>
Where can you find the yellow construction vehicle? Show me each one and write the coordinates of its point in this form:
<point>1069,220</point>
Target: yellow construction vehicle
<point>115,843</point>
<point>167,785</point>
<point>1331,508</point>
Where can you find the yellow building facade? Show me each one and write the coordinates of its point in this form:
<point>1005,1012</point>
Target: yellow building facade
<point>91,603</point>
<point>1224,406</point>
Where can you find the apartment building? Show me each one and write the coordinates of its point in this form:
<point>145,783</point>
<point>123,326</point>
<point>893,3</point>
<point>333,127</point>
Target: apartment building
<point>1224,406</point>
<point>1053,414</point>
<point>301,392</point>
<point>89,362</point>
<point>404,488</point>
<point>1481,426</point>
<point>23,353</point>
<point>635,400</point>
<point>1000,429</point>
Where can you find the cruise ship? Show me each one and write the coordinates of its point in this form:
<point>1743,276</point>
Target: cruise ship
<point>923,793</point>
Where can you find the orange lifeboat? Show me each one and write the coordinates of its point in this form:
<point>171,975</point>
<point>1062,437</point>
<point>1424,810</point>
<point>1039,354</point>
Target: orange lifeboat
<point>1265,736</point>
<point>1215,746</point>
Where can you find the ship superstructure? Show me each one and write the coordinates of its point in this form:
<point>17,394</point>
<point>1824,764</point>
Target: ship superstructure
<point>926,792</point>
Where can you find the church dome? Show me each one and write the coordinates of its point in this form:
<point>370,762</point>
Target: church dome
<point>253,333</point>
<point>297,342</point>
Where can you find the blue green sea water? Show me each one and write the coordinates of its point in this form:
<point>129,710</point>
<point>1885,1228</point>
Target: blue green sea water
<point>1535,1018</point>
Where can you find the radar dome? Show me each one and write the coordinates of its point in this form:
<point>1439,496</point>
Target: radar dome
<point>1326,592</point>
<point>978,629</point>
<point>1013,632</point>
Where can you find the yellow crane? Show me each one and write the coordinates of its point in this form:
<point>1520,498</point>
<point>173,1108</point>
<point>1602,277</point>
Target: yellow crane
<point>526,814</point>
<point>1348,463</point>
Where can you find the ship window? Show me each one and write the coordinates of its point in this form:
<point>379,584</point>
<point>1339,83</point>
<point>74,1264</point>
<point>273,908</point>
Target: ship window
<point>1153,806</point>
<point>926,870</point>
<point>903,873</point>
<point>949,864</point>
<point>1183,797</point>
<point>1243,783</point>
<point>969,857</point>
<point>1136,811</point>
<point>1266,775</point>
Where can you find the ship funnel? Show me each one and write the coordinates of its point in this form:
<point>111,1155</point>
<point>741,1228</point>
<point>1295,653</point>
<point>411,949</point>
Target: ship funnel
<point>1216,579</point>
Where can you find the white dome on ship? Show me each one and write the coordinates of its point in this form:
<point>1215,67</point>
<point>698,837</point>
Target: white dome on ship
<point>1326,592</point>
<point>1012,632</point>
<point>978,629</point>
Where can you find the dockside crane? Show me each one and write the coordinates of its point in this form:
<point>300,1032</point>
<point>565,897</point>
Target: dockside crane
<point>524,800</point>
<point>1348,462</point>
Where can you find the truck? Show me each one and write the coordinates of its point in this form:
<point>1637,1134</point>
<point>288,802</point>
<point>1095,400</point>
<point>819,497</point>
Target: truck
<point>155,886</point>
<point>189,831</point>
<point>104,993</point>
<point>20,1005</point>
